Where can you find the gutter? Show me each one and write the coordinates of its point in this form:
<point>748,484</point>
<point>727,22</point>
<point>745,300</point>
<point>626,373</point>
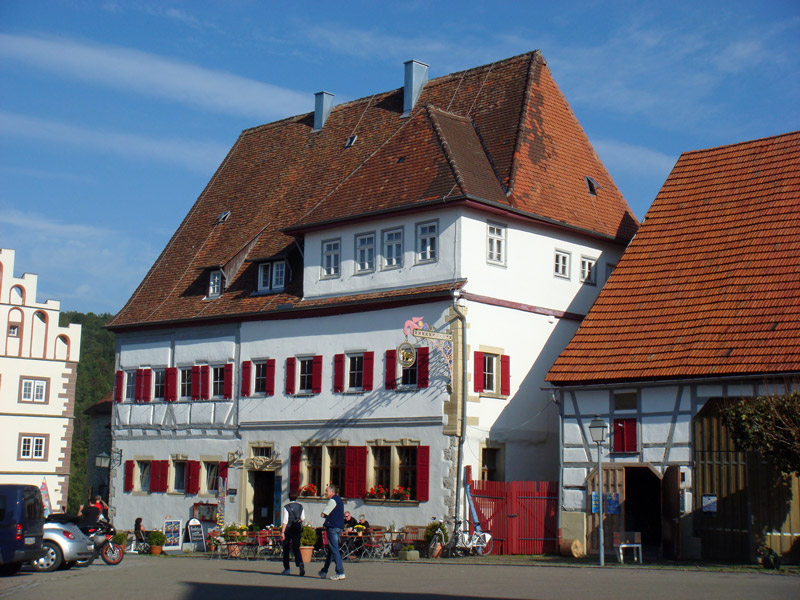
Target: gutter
<point>461,317</point>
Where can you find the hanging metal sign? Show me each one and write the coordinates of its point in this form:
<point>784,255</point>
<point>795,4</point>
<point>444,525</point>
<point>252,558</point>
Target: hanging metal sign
<point>406,355</point>
<point>432,335</point>
<point>443,342</point>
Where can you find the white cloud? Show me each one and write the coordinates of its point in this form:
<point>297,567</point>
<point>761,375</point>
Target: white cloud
<point>151,75</point>
<point>193,154</point>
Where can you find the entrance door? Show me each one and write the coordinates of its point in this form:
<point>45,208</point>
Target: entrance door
<point>643,504</point>
<point>263,498</point>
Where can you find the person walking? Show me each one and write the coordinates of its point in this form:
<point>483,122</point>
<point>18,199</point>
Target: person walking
<point>333,513</point>
<point>293,517</point>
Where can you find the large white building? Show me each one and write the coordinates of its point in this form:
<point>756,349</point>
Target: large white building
<point>38,369</point>
<point>262,352</point>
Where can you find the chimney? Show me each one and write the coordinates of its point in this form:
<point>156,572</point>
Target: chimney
<point>323,103</point>
<point>416,77</point>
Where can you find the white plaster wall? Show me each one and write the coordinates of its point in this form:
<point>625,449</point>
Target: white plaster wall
<point>153,351</point>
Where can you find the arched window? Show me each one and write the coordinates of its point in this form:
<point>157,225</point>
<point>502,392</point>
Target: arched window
<point>62,347</point>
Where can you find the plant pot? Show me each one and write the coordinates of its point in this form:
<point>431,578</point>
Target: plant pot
<point>306,552</point>
<point>437,551</point>
<point>408,555</point>
<point>155,550</point>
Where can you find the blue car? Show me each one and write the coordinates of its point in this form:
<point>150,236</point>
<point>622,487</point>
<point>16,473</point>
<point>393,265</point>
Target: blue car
<point>21,526</point>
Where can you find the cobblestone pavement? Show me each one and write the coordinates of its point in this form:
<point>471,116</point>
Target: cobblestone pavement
<point>198,578</point>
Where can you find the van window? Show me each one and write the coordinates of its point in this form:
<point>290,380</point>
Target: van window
<point>2,508</point>
<point>33,507</point>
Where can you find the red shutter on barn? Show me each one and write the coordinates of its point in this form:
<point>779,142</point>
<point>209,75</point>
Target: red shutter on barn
<point>147,385</point>
<point>295,455</point>
<point>423,472</point>
<point>119,386</point>
<point>369,370</point>
<point>390,378</point>
<point>290,373</point>
<point>625,435</point>
<point>505,375</point>
<point>193,477</point>
<point>137,388</point>
<point>316,375</point>
<point>128,483</point>
<point>171,384</point>
<point>270,388</point>
<point>477,372</point>
<point>159,470</point>
<point>227,384</point>
<point>355,472</point>
<point>422,366</point>
<point>223,471</point>
<point>205,377</point>
<point>630,435</point>
<point>246,368</point>
<point>338,373</point>
<point>196,382</point>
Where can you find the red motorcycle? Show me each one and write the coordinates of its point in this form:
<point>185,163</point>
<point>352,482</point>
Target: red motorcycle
<point>101,534</point>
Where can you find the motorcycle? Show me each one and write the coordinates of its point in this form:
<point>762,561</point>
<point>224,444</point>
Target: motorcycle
<point>101,534</point>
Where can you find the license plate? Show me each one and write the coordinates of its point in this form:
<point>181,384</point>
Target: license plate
<point>29,541</point>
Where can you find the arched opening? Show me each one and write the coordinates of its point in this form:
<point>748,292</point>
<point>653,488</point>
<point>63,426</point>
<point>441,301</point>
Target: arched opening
<point>15,333</point>
<point>39,325</point>
<point>17,295</point>
<point>62,347</point>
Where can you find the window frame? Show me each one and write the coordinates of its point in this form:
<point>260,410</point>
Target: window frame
<point>588,276</point>
<point>360,267</point>
<point>495,256</point>
<point>210,484</point>
<point>175,463</point>
<point>36,384</point>
<point>140,475</point>
<point>354,378</point>
<point>14,329</point>
<point>560,270</point>
<point>491,372</point>
<point>271,268</point>
<point>301,361</point>
<point>423,242</point>
<point>162,375</point>
<point>130,385</point>
<point>185,383</point>
<point>334,255</point>
<point>385,265</point>
<point>42,440</point>
<point>216,384</point>
<point>259,365</point>
<point>215,285</point>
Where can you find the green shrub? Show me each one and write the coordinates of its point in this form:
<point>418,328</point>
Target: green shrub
<point>120,539</point>
<point>433,526</point>
<point>309,536</point>
<point>156,538</point>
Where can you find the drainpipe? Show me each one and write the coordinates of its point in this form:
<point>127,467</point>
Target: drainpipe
<point>463,318</point>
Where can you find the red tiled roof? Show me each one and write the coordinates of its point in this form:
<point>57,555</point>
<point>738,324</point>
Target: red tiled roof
<point>501,133</point>
<point>710,286</point>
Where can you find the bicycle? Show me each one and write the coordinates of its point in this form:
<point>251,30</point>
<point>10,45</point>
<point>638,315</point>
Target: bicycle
<point>478,542</point>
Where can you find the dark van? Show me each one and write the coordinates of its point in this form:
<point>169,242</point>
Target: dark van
<point>21,526</point>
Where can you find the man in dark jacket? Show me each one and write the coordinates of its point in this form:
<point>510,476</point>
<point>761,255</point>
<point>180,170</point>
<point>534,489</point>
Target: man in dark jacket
<point>334,523</point>
<point>293,516</point>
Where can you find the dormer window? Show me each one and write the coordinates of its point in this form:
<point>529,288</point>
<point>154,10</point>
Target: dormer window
<point>591,185</point>
<point>272,276</point>
<point>215,284</point>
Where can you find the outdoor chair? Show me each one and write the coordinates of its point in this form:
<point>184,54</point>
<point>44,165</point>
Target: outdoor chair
<point>628,539</point>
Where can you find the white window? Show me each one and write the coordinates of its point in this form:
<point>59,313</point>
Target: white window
<point>179,468</point>
<point>159,384</point>
<point>212,477</point>
<point>34,390</point>
<point>561,265</point>
<point>130,385</point>
<point>365,253</point>
<point>272,276</point>
<point>427,241</point>
<point>218,381</point>
<point>331,257</point>
<point>496,244</point>
<point>144,475</point>
<point>13,331</point>
<point>32,447</point>
<point>186,382</point>
<point>393,249</point>
<point>305,367</point>
<point>214,284</point>
<point>355,372</point>
<point>260,380</point>
<point>588,274</point>
<point>490,363</point>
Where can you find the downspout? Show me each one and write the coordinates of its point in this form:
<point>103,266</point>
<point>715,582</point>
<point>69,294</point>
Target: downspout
<point>463,318</point>
<point>560,402</point>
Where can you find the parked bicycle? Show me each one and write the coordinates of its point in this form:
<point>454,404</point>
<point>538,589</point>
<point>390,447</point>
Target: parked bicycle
<point>478,542</point>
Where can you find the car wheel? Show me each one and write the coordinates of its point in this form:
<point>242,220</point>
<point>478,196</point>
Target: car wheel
<point>51,560</point>
<point>68,564</point>
<point>11,569</point>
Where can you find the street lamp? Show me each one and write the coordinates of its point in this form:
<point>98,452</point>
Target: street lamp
<point>104,460</point>
<point>597,429</point>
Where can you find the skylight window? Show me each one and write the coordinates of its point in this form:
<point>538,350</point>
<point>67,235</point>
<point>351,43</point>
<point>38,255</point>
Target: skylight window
<point>591,185</point>
<point>223,217</point>
<point>350,141</point>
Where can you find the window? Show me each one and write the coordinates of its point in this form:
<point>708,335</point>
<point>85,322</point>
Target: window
<point>179,481</point>
<point>588,274</point>
<point>609,270</point>
<point>427,235</point>
<point>496,244</point>
<point>408,378</point>
<point>382,466</point>
<point>355,372</point>
<point>393,249</point>
<point>260,377</point>
<point>144,475</point>
<point>625,439</point>
<point>159,384</point>
<point>625,401</point>
<point>186,382</point>
<point>218,381</point>
<point>336,465</point>
<point>561,266</point>
<point>489,372</point>
<point>33,390</point>
<point>130,385</point>
<point>331,257</point>
<point>272,276</point>
<point>591,185</point>
<point>489,459</point>
<point>314,466</point>
<point>262,451</point>
<point>365,253</point>
<point>413,377</point>
<point>214,284</point>
<point>407,475</point>
<point>212,477</point>
<point>492,373</point>
<point>13,330</point>
<point>32,447</point>
<point>306,366</point>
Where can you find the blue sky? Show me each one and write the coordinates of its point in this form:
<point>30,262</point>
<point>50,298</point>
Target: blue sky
<point>114,115</point>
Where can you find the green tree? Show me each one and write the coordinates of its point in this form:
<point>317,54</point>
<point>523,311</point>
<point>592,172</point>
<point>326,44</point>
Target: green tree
<point>770,425</point>
<point>95,379</point>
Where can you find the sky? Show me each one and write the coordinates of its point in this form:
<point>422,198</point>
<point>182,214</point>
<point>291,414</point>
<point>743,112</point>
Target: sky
<point>114,115</point>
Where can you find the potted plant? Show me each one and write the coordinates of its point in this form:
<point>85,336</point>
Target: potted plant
<point>309,489</point>
<point>378,492</point>
<point>429,531</point>
<point>308,539</point>
<point>121,539</point>
<point>401,493</point>
<point>156,539</point>
<point>408,553</point>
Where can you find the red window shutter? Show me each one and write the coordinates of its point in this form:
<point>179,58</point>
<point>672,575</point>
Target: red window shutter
<point>270,391</point>
<point>391,369</point>
<point>295,455</point>
<point>369,368</point>
<point>227,385</point>
<point>205,372</point>
<point>246,368</point>
<point>290,372</point>
<point>338,373</point>
<point>423,473</point>
<point>630,435</point>
<point>505,375</point>
<point>193,477</point>
<point>316,375</point>
<point>128,484</point>
<point>196,375</point>
<point>223,471</point>
<point>355,472</point>
<point>171,391</point>
<point>147,385</point>
<point>119,386</point>
<point>137,390</point>
<point>158,475</point>
<point>478,372</point>
<point>422,366</point>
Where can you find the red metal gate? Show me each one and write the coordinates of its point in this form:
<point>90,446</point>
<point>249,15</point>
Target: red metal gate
<point>520,515</point>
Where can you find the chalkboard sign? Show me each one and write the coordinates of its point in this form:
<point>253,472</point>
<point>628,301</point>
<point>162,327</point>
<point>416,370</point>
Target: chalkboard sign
<point>196,533</point>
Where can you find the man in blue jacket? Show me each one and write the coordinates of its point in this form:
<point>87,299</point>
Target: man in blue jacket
<point>334,523</point>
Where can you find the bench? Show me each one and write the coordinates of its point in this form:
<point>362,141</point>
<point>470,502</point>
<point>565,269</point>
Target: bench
<point>628,539</point>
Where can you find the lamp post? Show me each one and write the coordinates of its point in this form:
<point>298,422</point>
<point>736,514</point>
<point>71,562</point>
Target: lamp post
<point>597,429</point>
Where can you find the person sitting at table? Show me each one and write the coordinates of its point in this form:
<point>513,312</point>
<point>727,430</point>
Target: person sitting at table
<point>349,521</point>
<point>362,520</point>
